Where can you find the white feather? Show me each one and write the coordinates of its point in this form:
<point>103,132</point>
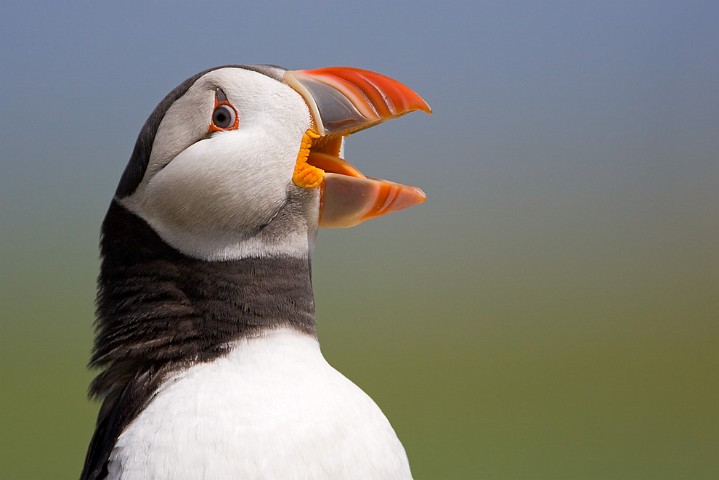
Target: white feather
<point>273,408</point>
<point>206,195</point>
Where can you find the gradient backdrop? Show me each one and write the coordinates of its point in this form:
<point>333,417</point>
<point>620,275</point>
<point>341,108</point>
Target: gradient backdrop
<point>551,312</point>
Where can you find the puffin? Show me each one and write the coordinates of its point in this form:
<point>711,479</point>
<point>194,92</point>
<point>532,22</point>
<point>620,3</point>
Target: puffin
<point>205,336</point>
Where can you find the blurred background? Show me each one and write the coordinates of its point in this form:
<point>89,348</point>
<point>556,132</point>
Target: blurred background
<point>551,312</point>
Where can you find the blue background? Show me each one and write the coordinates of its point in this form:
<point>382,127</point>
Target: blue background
<point>550,312</point>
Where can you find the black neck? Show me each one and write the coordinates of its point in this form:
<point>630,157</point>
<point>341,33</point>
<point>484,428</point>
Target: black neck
<point>158,304</point>
<point>159,311</point>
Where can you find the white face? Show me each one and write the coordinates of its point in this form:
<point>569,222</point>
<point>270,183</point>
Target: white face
<point>207,195</point>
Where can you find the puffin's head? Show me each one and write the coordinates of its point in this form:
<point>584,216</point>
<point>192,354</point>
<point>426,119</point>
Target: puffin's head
<point>245,160</point>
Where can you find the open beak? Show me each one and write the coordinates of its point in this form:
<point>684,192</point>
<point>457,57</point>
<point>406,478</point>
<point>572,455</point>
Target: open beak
<point>344,100</point>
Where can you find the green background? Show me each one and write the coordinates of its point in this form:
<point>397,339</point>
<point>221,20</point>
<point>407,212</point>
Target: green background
<point>551,312</point>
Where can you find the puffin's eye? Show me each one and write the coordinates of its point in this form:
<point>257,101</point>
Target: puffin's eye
<point>224,117</point>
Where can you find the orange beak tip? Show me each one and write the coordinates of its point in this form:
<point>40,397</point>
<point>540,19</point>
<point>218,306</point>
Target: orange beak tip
<point>425,108</point>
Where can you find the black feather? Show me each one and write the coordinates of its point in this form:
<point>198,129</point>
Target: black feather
<point>159,311</point>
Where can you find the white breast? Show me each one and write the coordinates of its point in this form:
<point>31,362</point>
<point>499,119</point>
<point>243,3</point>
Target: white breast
<point>273,408</point>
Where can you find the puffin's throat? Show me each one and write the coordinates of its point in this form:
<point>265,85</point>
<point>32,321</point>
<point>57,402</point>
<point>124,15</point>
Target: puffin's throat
<point>159,311</point>
<point>156,304</point>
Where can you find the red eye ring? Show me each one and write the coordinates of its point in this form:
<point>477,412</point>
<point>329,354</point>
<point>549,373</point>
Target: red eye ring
<point>224,116</point>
